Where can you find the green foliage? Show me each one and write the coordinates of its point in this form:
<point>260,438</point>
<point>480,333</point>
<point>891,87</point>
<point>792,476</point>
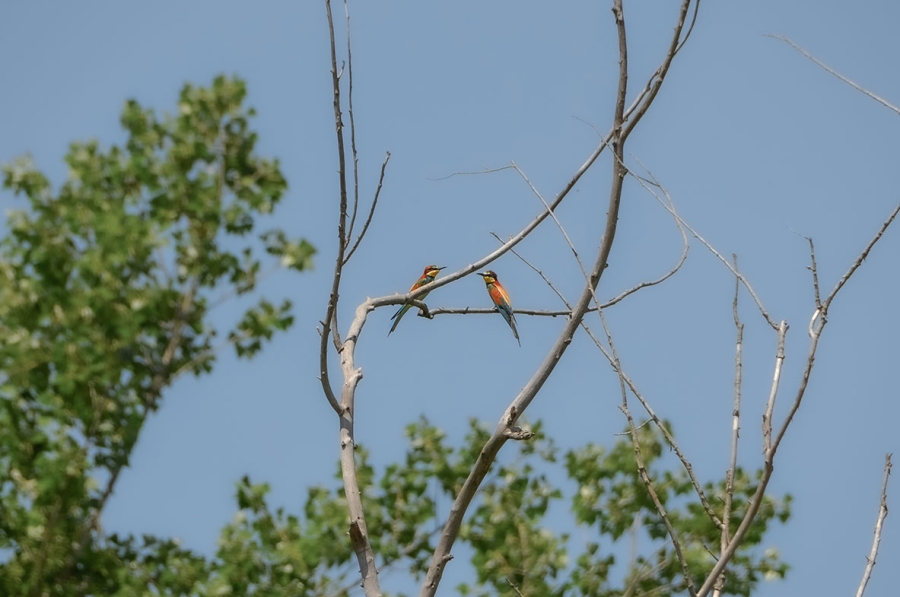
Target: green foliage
<point>105,291</point>
<point>509,531</point>
<point>261,553</point>
<point>612,499</point>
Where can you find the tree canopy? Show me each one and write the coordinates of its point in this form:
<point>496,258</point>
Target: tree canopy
<point>106,285</point>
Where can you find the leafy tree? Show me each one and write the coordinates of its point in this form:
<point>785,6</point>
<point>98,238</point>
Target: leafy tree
<point>105,293</point>
<point>514,547</point>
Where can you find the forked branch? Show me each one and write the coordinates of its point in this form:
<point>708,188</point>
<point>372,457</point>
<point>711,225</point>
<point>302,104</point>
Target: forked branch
<point>771,445</point>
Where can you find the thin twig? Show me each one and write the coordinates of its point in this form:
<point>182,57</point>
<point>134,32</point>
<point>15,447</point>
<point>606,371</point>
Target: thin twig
<point>814,268</point>
<point>514,587</point>
<point>646,183</point>
<point>654,84</point>
<point>773,391</point>
<point>735,430</point>
<point>584,272</point>
<point>670,439</point>
<point>352,129</point>
<point>879,523</point>
<point>735,411</point>
<point>862,257</point>
<point>665,431</point>
<point>365,227</point>
<point>619,371</point>
<point>559,225</point>
<point>591,159</point>
<point>684,252</point>
<point>823,319</point>
<point>690,29</point>
<point>639,461</point>
<point>541,274</point>
<point>830,70</point>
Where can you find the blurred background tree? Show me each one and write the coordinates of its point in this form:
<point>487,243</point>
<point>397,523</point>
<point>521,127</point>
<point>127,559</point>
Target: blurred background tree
<point>105,292</point>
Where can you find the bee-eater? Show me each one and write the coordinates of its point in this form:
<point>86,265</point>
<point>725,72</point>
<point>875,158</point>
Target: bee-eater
<point>428,277</point>
<point>501,300</point>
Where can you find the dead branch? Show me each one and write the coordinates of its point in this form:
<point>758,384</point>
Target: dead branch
<point>670,440</point>
<point>359,537</point>
<point>352,130</point>
<point>639,461</point>
<point>365,227</point>
<point>862,257</point>
<point>830,70</point>
<point>652,181</point>
<point>879,523</point>
<point>735,430</point>
<point>771,446</point>
<point>331,310</point>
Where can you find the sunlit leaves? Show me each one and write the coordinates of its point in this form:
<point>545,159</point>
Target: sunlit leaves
<point>258,324</point>
<point>295,254</point>
<point>105,291</point>
<point>612,499</point>
<point>512,530</point>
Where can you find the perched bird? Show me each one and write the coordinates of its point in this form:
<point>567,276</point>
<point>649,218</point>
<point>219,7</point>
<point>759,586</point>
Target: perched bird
<point>501,300</point>
<point>428,277</point>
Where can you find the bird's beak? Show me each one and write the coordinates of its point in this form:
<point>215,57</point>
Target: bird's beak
<point>440,268</point>
<point>480,274</point>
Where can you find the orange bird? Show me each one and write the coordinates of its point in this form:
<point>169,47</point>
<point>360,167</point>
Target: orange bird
<point>501,300</point>
<point>428,277</point>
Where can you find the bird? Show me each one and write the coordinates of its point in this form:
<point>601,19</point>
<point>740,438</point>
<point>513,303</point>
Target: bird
<point>428,277</point>
<point>501,300</point>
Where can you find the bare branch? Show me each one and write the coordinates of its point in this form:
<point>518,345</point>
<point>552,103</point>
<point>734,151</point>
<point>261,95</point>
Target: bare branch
<point>735,411</point>
<point>818,324</point>
<point>352,130</point>
<point>690,29</point>
<point>813,267</point>
<point>862,257</point>
<point>655,81</point>
<point>735,431</point>
<point>639,460</point>
<point>684,251</point>
<point>646,183</point>
<point>820,319</point>
<point>359,537</point>
<point>879,523</point>
<point>828,69</point>
<point>654,84</point>
<point>617,365</point>
<point>670,439</point>
<point>773,392</point>
<point>541,274</point>
<point>584,272</point>
<point>365,227</point>
<point>559,225</point>
<point>331,310</point>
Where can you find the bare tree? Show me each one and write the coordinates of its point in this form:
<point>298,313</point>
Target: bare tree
<point>625,117</point>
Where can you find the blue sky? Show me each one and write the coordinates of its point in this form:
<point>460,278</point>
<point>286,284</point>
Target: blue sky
<point>753,141</point>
